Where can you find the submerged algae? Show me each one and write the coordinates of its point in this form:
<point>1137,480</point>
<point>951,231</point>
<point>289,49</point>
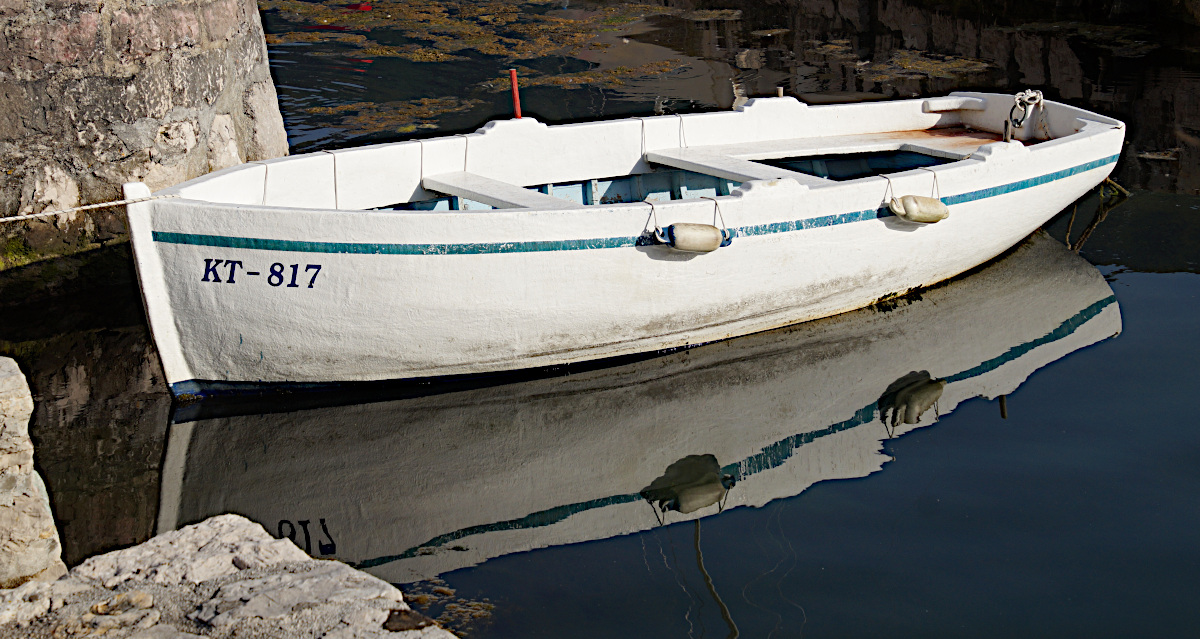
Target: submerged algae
<point>923,63</point>
<point>458,614</point>
<point>510,29</point>
<point>394,117</point>
<point>606,78</point>
<point>499,32</point>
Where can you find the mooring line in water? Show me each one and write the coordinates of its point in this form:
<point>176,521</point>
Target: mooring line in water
<point>1108,202</point>
<point>676,574</point>
<point>795,562</point>
<point>86,207</point>
<point>712,590</point>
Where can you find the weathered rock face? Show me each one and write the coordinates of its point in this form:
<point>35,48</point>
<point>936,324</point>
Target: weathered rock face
<point>223,577</point>
<point>29,546</point>
<point>223,545</point>
<point>94,94</point>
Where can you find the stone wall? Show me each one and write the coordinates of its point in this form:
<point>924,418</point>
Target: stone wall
<point>29,547</point>
<point>94,93</point>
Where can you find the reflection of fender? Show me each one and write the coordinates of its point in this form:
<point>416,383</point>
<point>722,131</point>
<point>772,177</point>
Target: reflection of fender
<point>907,398</point>
<point>692,483</point>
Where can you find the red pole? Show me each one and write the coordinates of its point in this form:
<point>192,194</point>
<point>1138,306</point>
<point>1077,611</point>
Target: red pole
<point>512,77</point>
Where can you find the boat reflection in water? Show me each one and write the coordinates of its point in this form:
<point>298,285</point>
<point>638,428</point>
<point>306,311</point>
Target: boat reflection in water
<point>414,488</point>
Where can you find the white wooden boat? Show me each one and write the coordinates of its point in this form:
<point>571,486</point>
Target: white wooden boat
<point>414,488</point>
<point>525,245</point>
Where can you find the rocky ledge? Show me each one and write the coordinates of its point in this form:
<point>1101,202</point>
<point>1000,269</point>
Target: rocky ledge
<point>223,577</point>
<point>29,544</point>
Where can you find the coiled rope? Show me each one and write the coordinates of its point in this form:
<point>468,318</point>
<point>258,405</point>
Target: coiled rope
<point>1026,101</point>
<point>86,207</point>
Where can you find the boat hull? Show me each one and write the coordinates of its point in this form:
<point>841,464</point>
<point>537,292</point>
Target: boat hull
<point>245,293</point>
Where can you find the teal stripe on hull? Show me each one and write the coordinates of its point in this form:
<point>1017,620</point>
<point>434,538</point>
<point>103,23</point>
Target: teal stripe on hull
<point>392,249</point>
<point>479,248</point>
<point>770,457</point>
<point>994,191</point>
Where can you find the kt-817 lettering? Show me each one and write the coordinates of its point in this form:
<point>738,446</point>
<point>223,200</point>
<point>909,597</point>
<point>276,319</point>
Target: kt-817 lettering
<point>227,272</point>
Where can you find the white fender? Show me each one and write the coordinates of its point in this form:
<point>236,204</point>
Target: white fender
<point>694,238</point>
<point>917,208</point>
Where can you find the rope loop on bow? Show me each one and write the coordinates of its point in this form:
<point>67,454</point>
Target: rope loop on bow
<point>1025,101</point>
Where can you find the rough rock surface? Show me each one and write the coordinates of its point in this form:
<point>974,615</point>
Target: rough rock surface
<point>29,545</point>
<point>94,94</point>
<point>223,546</point>
<point>224,577</point>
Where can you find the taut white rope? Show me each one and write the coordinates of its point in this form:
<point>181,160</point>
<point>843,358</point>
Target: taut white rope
<point>87,207</point>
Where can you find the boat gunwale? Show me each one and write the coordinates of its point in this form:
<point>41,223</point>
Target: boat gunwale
<point>902,143</point>
<point>818,220</point>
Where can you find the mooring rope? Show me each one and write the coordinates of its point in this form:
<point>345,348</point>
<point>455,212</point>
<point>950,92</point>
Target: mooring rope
<point>86,207</point>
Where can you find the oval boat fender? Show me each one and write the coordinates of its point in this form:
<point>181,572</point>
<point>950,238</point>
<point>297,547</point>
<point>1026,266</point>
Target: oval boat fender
<point>694,238</point>
<point>920,209</point>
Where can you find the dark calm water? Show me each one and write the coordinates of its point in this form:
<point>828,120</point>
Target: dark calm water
<point>514,510</point>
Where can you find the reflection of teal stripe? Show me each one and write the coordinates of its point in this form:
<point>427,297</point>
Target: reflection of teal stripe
<point>1063,330</point>
<point>535,520</point>
<point>776,454</point>
<point>770,457</point>
<point>476,248</point>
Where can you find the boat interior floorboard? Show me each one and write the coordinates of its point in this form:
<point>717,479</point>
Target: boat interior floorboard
<point>702,160</point>
<point>741,162</point>
<point>501,195</point>
<point>955,142</point>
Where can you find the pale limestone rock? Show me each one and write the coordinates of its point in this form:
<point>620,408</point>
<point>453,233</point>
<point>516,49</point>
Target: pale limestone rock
<point>52,188</point>
<point>360,632</point>
<point>222,144</point>
<point>277,596</point>
<point>29,543</point>
<point>160,176</point>
<point>218,546</point>
<point>176,139</point>
<point>269,138</point>
<point>132,609</point>
<point>32,599</point>
<point>224,577</point>
<point>16,405</point>
<point>24,603</point>
<point>162,631</point>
